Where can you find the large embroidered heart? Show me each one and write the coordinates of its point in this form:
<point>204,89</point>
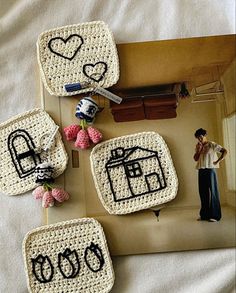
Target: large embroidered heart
<point>67,48</point>
<point>95,71</point>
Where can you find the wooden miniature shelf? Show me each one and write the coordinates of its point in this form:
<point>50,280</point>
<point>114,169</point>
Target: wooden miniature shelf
<point>150,102</point>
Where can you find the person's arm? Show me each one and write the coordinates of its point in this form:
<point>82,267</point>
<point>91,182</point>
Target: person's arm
<point>199,147</point>
<point>223,154</point>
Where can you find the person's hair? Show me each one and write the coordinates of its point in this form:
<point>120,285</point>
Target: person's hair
<point>199,132</point>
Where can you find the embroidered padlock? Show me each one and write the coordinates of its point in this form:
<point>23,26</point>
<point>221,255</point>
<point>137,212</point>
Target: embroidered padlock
<point>25,139</point>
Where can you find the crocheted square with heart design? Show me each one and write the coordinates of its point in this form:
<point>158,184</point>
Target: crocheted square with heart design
<point>21,140</point>
<point>77,53</point>
<point>70,256</point>
<point>133,172</point>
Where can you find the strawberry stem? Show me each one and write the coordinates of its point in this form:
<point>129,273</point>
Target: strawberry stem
<point>47,186</point>
<point>83,123</point>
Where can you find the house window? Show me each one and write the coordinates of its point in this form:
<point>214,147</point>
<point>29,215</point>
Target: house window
<point>134,170</point>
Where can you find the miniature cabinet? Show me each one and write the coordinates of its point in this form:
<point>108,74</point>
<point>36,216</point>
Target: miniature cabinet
<point>153,102</point>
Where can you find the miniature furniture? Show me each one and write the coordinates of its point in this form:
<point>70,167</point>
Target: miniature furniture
<point>151,102</point>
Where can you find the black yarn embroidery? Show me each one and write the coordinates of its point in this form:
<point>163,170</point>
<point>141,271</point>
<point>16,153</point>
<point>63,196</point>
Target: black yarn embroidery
<point>44,175</point>
<point>100,75</point>
<point>65,41</point>
<point>96,250</point>
<point>39,262</point>
<point>75,265</point>
<point>17,158</point>
<point>43,269</point>
<point>154,181</point>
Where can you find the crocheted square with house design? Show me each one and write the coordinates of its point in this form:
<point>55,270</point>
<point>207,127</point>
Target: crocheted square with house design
<point>70,257</point>
<point>133,172</point>
<point>21,141</point>
<point>76,54</point>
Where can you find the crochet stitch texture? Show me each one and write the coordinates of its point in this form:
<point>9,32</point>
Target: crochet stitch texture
<point>75,54</point>
<point>70,256</point>
<point>20,140</point>
<point>133,172</point>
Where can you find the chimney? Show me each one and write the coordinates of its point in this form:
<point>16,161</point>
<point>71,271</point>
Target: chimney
<point>117,153</point>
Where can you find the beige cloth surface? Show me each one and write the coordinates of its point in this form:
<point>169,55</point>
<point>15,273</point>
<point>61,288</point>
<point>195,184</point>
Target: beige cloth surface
<point>21,21</point>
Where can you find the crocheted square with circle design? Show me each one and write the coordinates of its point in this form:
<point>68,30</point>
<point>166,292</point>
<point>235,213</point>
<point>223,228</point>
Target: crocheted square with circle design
<point>21,143</point>
<point>133,172</point>
<point>70,257</point>
<point>75,54</point>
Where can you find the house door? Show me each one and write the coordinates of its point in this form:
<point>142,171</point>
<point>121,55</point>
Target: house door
<point>153,182</point>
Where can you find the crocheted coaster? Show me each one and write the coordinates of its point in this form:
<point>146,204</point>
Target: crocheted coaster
<point>70,257</point>
<point>133,172</point>
<point>21,139</point>
<point>75,54</point>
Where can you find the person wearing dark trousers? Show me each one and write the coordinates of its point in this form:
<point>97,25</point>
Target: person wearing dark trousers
<point>207,161</point>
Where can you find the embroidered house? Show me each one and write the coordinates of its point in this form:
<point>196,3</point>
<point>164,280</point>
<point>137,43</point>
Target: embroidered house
<point>134,172</point>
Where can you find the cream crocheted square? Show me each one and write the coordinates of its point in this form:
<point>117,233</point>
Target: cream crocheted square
<point>77,53</point>
<point>21,140</point>
<point>68,257</point>
<point>133,172</point>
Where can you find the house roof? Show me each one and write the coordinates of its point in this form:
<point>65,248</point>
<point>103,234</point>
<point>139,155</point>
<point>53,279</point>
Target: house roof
<point>131,154</point>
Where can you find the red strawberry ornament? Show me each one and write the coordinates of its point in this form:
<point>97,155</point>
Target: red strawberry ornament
<point>82,140</point>
<point>48,200</point>
<point>38,192</point>
<point>71,131</point>
<point>94,134</point>
<point>60,194</point>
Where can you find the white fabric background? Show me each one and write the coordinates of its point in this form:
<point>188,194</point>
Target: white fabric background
<point>21,21</point>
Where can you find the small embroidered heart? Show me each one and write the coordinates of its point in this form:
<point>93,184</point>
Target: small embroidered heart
<point>67,48</point>
<point>95,71</point>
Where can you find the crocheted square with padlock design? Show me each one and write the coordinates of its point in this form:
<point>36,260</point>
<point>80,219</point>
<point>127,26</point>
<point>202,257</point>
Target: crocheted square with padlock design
<point>76,54</point>
<point>21,140</point>
<point>70,257</point>
<point>133,172</point>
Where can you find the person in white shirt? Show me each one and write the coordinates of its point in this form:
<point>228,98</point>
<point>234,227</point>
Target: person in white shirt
<point>207,161</point>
